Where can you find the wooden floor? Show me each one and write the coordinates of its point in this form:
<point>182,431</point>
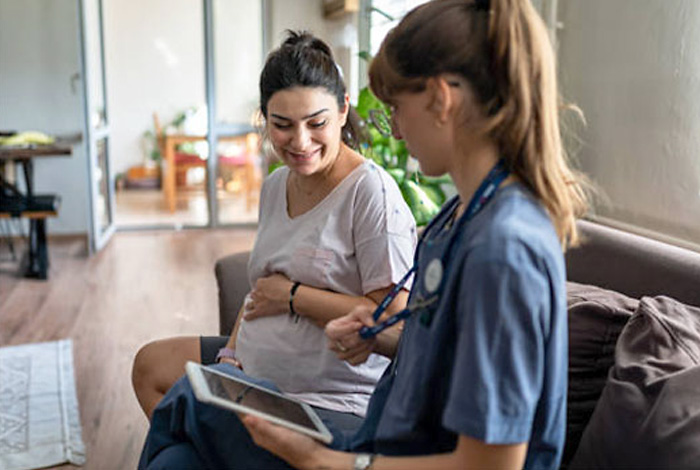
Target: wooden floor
<point>143,207</point>
<point>142,286</point>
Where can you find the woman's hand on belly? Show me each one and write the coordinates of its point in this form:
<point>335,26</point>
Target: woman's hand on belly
<point>269,297</point>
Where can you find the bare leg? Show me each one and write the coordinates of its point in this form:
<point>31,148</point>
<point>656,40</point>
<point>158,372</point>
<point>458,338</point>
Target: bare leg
<point>158,365</point>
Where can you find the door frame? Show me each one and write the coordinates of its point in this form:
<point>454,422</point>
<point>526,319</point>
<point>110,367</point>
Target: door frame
<point>216,129</point>
<point>97,236</point>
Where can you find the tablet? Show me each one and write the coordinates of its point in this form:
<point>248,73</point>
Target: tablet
<point>236,394</point>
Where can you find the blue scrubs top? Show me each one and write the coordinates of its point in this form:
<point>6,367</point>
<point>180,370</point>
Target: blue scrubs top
<point>488,358</point>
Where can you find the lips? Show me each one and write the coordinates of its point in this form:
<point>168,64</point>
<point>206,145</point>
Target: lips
<point>302,156</point>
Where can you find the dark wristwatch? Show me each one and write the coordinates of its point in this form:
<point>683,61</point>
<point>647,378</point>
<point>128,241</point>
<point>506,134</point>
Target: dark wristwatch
<point>363,461</point>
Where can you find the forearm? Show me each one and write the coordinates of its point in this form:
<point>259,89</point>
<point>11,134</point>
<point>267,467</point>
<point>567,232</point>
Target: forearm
<point>327,459</point>
<point>469,453</point>
<point>231,344</point>
<point>322,306</point>
<point>388,340</point>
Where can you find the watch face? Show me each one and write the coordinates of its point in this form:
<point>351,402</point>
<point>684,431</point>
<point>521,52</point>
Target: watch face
<point>363,461</point>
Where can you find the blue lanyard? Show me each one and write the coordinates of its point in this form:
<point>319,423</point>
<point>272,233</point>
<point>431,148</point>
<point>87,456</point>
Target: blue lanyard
<point>485,192</point>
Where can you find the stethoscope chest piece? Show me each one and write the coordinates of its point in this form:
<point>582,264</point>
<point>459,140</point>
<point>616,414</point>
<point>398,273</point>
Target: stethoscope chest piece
<point>433,276</point>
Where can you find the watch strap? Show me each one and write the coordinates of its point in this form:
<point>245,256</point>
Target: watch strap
<point>294,315</point>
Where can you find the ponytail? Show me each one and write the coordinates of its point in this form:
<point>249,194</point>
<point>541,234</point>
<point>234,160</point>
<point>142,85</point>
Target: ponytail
<point>501,47</point>
<point>526,120</point>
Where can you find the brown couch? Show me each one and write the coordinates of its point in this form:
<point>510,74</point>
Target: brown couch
<point>632,384</point>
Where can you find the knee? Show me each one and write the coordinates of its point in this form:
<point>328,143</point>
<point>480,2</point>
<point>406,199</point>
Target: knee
<point>145,365</point>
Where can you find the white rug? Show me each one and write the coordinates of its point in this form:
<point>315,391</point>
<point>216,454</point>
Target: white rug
<point>39,419</point>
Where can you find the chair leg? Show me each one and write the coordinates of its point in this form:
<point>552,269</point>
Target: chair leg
<point>38,255</point>
<point>7,237</point>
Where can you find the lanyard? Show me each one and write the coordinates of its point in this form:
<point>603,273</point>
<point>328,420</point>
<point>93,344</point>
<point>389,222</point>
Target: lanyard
<point>484,193</point>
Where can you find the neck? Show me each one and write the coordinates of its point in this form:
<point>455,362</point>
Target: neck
<point>471,167</point>
<point>318,180</point>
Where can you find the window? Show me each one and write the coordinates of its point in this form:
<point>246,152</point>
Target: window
<point>384,15</point>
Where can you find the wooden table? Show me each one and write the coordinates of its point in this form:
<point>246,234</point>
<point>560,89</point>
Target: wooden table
<point>37,250</point>
<point>24,156</point>
<point>170,143</point>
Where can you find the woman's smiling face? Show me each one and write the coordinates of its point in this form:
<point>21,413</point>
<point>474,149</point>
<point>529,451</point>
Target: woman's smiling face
<point>305,125</point>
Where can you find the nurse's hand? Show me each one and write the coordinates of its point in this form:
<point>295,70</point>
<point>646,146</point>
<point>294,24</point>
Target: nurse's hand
<point>269,297</point>
<point>298,450</point>
<point>344,337</point>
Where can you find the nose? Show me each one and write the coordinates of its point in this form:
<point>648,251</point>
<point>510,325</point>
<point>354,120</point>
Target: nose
<point>301,138</point>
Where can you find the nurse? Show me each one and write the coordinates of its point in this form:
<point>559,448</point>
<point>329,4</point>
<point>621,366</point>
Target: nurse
<point>479,375</point>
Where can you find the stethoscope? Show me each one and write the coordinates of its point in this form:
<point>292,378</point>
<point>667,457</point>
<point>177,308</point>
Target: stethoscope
<point>434,271</point>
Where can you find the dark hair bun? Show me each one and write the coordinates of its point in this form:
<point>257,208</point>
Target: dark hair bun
<point>303,39</point>
<point>304,60</point>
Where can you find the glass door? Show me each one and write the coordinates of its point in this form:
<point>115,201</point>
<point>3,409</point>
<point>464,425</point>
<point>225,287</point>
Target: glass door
<point>235,49</point>
<point>101,183</point>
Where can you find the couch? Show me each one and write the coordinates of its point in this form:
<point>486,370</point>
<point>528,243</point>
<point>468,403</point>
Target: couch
<point>634,356</point>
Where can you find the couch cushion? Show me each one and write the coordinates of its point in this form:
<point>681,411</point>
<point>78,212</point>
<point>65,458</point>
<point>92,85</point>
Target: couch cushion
<point>649,413</point>
<point>596,318</point>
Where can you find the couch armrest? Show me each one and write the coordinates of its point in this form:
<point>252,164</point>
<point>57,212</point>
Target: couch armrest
<point>633,265</point>
<point>232,281</point>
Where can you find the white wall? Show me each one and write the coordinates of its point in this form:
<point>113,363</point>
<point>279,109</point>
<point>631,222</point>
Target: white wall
<point>633,66</point>
<point>238,57</point>
<point>154,56</point>
<point>340,33</point>
<point>39,56</point>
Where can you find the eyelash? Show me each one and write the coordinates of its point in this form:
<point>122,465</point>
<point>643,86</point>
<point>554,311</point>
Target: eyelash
<point>318,125</point>
<point>313,125</point>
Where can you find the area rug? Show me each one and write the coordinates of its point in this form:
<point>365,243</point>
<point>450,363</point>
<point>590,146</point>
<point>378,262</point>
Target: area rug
<point>39,419</point>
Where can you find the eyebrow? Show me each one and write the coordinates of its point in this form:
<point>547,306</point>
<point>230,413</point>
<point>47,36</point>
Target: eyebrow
<point>312,115</point>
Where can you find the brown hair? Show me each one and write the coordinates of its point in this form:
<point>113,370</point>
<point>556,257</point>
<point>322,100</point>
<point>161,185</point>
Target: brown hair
<point>502,48</point>
<point>304,60</point>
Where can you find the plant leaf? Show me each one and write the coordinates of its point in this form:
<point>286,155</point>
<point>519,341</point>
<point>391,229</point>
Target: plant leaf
<point>366,56</point>
<point>398,174</point>
<point>366,101</point>
<point>422,207</point>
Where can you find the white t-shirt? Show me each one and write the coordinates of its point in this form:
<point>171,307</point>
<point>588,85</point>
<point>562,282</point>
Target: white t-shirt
<point>358,239</point>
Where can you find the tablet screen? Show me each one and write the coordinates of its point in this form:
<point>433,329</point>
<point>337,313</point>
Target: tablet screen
<point>257,399</point>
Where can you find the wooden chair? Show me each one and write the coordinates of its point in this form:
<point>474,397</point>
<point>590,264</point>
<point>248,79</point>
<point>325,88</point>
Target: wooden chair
<point>243,168</point>
<point>183,161</point>
<point>241,165</point>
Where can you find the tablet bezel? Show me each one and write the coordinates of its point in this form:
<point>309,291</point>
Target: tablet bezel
<point>204,394</point>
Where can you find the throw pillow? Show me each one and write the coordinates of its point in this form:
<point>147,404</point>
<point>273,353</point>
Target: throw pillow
<point>649,413</point>
<point>596,318</point>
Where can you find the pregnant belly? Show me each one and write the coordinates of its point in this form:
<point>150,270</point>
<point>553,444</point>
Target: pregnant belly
<point>278,349</point>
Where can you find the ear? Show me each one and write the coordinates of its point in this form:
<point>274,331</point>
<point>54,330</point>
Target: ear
<point>441,100</point>
<point>345,110</point>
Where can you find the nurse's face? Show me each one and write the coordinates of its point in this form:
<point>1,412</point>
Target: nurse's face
<point>413,121</point>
